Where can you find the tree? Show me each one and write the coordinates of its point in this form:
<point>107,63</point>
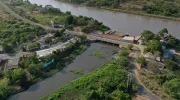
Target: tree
<point>5,91</point>
<point>147,35</point>
<point>34,69</point>
<point>124,52</point>
<point>157,37</point>
<point>172,87</point>
<point>163,32</point>
<point>153,46</point>
<point>69,20</point>
<point>171,41</point>
<point>120,95</point>
<point>7,48</point>
<point>123,61</point>
<point>171,65</point>
<point>31,59</point>
<point>16,76</point>
<point>141,60</point>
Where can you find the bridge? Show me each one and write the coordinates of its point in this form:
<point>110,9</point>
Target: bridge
<point>107,40</point>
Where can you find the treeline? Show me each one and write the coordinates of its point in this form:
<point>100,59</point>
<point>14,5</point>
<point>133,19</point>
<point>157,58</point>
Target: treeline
<point>110,82</point>
<point>158,7</point>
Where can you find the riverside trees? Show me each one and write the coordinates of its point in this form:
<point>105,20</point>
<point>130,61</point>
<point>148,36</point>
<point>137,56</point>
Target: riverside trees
<point>156,7</point>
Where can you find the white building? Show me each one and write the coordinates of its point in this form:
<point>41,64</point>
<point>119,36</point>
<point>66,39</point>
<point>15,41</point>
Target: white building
<point>128,38</point>
<point>61,47</point>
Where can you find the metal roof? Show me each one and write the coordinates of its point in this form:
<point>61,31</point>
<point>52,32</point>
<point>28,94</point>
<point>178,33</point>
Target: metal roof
<point>129,38</point>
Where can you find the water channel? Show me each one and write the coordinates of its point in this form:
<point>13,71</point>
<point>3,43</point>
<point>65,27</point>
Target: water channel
<point>122,22</point>
<point>85,62</point>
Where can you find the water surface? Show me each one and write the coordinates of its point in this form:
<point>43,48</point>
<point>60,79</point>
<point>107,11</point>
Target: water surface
<point>122,22</point>
<point>85,62</point>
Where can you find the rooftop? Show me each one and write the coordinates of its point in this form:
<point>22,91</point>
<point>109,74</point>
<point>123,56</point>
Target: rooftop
<point>114,37</point>
<point>137,38</point>
<point>62,46</point>
<point>129,38</point>
<point>12,63</point>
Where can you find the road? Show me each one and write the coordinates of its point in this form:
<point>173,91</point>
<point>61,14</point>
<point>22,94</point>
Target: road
<point>142,90</point>
<point>22,18</point>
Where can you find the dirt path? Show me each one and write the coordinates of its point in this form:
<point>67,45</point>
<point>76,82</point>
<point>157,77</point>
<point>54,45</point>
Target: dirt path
<point>142,90</point>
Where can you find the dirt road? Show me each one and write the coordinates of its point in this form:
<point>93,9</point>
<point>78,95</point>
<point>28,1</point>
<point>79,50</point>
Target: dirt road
<point>22,18</point>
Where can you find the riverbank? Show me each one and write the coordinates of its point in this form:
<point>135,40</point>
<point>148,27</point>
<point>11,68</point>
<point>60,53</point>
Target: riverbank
<point>110,79</point>
<point>36,91</point>
<point>141,13</point>
<point>53,68</point>
<point>127,11</point>
<point>131,24</point>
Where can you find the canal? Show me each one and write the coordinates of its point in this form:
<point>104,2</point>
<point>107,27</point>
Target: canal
<point>86,62</point>
<point>122,22</point>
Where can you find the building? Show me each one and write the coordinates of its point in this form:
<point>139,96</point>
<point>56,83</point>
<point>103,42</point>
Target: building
<point>138,40</point>
<point>129,39</point>
<point>167,53</point>
<point>61,47</point>
<point>12,63</point>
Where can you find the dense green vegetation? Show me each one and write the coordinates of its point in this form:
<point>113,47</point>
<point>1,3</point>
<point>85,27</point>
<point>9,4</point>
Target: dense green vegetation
<point>163,82</point>
<point>14,32</point>
<point>152,41</point>
<point>158,7</point>
<point>45,15</point>
<point>106,83</point>
<point>165,79</point>
<point>31,70</point>
<point>141,61</point>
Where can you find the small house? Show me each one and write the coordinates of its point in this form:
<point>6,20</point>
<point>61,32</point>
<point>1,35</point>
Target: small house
<point>129,39</point>
<point>12,63</point>
<point>138,40</point>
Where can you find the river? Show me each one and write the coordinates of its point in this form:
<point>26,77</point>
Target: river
<point>85,62</point>
<point>122,22</point>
